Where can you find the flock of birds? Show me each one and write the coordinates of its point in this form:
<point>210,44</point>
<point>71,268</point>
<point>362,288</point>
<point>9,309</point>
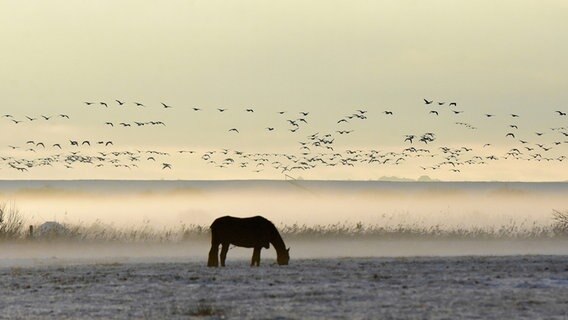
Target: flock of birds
<point>313,150</point>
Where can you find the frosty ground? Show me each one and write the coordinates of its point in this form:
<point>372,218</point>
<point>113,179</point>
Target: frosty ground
<point>498,287</point>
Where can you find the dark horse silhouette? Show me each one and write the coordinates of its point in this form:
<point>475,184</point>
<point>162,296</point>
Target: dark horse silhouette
<point>254,232</point>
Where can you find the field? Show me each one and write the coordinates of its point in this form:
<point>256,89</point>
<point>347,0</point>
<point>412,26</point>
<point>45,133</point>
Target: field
<point>486,287</point>
<point>387,279</point>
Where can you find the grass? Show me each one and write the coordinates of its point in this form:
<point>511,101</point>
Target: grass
<point>12,228</point>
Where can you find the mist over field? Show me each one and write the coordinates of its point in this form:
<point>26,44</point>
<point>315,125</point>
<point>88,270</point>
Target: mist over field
<point>167,204</point>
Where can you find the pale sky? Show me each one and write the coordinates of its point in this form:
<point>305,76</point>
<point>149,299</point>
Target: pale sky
<point>328,58</point>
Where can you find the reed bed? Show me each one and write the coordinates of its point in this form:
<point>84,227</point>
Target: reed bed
<point>14,228</point>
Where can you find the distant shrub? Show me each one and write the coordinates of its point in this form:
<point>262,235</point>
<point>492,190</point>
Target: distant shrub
<point>560,224</point>
<point>11,222</point>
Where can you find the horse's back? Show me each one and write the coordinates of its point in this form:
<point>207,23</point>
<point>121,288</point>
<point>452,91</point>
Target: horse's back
<point>256,221</point>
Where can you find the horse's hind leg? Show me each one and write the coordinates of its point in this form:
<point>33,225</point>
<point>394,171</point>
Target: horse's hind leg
<point>255,257</point>
<point>213,260</point>
<point>224,250</point>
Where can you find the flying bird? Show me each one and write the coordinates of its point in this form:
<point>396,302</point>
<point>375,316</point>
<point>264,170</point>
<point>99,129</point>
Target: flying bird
<point>234,130</point>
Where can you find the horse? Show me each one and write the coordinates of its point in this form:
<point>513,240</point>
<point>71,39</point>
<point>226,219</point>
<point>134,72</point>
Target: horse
<point>253,232</point>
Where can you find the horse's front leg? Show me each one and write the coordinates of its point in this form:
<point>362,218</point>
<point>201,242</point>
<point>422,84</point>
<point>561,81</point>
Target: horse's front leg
<point>255,257</point>
<point>224,250</point>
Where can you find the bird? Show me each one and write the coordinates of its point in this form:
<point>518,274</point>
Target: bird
<point>428,102</point>
<point>104,104</point>
<point>234,130</point>
<point>57,145</point>
<point>249,110</point>
<point>434,112</point>
<point>138,104</point>
<point>560,113</point>
<point>45,117</point>
<point>166,106</point>
<point>119,102</point>
<point>489,115</point>
<point>88,103</point>
<point>270,128</point>
<point>409,137</point>
<point>196,109</point>
<point>388,113</point>
<point>166,166</point>
<point>510,135</point>
<point>453,104</point>
<point>109,124</point>
<point>64,116</point>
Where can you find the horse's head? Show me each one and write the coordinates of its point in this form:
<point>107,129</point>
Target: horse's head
<point>284,257</point>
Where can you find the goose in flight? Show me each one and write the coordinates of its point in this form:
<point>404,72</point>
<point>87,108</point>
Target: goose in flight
<point>166,166</point>
<point>166,106</point>
<point>138,104</point>
<point>104,104</point>
<point>388,113</point>
<point>560,113</point>
<point>510,135</point>
<point>196,109</point>
<point>119,102</point>
<point>428,101</point>
<point>64,116</point>
<point>234,130</point>
<point>434,112</point>
<point>249,110</point>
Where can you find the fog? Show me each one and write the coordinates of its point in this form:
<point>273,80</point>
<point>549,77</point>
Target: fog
<point>171,204</point>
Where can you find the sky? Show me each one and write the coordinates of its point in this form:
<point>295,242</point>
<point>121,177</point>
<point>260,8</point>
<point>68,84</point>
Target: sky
<point>328,58</point>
